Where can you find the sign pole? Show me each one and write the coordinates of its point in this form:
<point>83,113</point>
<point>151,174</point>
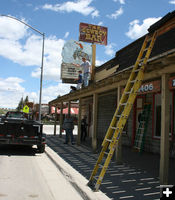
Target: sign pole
<point>93,61</point>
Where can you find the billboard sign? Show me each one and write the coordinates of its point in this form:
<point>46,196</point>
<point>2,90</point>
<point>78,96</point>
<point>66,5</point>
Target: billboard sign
<point>93,33</point>
<point>72,53</point>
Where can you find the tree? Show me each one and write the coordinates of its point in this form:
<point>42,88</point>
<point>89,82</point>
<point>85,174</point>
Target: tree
<point>26,100</point>
<point>20,104</point>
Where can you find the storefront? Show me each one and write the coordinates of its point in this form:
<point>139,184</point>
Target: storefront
<point>150,94</point>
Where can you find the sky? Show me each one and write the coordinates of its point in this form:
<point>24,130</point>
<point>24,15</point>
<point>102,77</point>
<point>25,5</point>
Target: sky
<point>21,47</point>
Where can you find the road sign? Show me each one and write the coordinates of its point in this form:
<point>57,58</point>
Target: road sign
<point>26,109</point>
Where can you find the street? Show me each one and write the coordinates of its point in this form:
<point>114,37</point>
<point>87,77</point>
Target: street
<point>26,174</point>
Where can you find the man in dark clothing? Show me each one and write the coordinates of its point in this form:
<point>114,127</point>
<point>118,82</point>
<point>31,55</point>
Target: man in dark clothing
<point>84,128</point>
<point>68,126</point>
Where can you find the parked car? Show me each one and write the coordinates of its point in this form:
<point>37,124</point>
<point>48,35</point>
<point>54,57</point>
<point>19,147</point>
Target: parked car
<point>16,128</point>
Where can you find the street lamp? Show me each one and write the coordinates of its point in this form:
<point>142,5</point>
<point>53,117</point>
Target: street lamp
<point>42,59</point>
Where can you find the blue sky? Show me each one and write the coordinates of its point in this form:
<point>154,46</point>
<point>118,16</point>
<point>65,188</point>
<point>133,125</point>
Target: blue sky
<point>20,46</point>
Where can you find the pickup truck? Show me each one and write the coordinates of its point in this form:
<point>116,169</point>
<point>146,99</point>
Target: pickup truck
<point>16,128</point>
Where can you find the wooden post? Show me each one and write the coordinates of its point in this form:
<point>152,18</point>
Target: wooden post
<point>93,61</point>
<point>55,126</point>
<point>79,122</point>
<point>94,133</point>
<point>118,152</point>
<point>69,108</point>
<point>61,119</point>
<point>165,121</point>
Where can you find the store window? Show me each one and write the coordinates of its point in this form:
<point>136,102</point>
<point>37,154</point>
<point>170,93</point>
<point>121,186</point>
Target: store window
<point>157,116</point>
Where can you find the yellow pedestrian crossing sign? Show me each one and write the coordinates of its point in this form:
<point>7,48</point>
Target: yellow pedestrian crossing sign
<point>26,109</point>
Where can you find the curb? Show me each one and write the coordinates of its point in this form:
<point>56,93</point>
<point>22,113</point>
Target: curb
<point>78,181</point>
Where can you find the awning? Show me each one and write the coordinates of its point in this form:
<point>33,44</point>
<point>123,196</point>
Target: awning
<point>74,111</point>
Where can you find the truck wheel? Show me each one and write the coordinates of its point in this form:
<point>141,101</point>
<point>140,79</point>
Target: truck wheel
<point>41,148</point>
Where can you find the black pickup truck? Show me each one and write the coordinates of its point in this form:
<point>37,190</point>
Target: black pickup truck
<point>16,128</point>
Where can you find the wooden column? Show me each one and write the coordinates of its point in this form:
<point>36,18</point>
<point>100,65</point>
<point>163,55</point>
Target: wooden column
<point>79,122</point>
<point>165,121</point>
<point>94,133</point>
<point>118,152</point>
<point>69,108</point>
<point>61,119</point>
<point>93,61</point>
<point>55,126</point>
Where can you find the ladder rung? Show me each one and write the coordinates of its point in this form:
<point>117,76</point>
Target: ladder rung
<point>137,148</point>
<point>133,81</point>
<point>146,49</point>
<point>128,92</point>
<point>96,178</point>
<point>106,153</point>
<point>101,166</point>
<point>108,140</point>
<point>142,121</point>
<point>112,127</point>
<point>123,104</point>
<point>141,60</point>
<point>137,70</point>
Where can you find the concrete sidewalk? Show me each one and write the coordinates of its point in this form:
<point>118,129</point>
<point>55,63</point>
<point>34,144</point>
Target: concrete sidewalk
<point>77,181</point>
<point>120,182</point>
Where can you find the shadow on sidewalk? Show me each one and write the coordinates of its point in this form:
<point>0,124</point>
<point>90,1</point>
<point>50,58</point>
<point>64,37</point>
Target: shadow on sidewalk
<point>137,178</point>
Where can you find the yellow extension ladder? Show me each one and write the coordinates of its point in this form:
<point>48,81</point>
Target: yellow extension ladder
<point>122,112</point>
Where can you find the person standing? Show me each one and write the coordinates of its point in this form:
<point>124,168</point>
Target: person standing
<point>79,80</point>
<point>84,128</point>
<point>68,126</point>
<point>86,67</point>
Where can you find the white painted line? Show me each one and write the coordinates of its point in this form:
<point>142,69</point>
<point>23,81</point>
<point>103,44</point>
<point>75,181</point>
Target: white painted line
<point>146,179</point>
<point>140,189</point>
<point>153,182</point>
<point>117,174</point>
<point>134,173</point>
<point>127,181</point>
<point>117,192</point>
<point>105,183</point>
<point>126,197</point>
<point>149,194</point>
<point>112,187</point>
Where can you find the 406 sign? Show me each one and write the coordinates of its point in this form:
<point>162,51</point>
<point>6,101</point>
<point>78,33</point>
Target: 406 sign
<point>153,86</point>
<point>146,88</point>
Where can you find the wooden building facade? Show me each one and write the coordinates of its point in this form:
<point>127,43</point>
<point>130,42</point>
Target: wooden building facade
<point>99,100</point>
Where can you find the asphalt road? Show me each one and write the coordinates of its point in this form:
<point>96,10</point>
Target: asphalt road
<point>25,175</point>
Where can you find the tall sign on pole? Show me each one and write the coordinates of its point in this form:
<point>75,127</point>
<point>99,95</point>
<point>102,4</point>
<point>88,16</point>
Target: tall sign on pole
<point>95,35</point>
<point>73,52</point>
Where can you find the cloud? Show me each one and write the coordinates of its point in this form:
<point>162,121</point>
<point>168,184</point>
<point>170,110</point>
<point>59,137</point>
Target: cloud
<point>172,2</point>
<point>120,1</point>
<point>81,6</point>
<point>109,49</point>
<point>95,14</point>
<point>52,59</point>
<point>11,91</point>
<point>137,30</point>
<point>100,23</point>
<point>99,62</point>
<point>66,35</point>
<point>13,29</point>
<point>116,14</point>
<point>25,48</point>
<point>20,45</point>
<point>52,92</point>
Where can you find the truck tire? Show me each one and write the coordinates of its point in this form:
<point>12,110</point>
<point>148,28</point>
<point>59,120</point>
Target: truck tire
<point>41,148</point>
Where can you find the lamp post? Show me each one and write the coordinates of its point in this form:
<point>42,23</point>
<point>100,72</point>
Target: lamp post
<point>42,58</point>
